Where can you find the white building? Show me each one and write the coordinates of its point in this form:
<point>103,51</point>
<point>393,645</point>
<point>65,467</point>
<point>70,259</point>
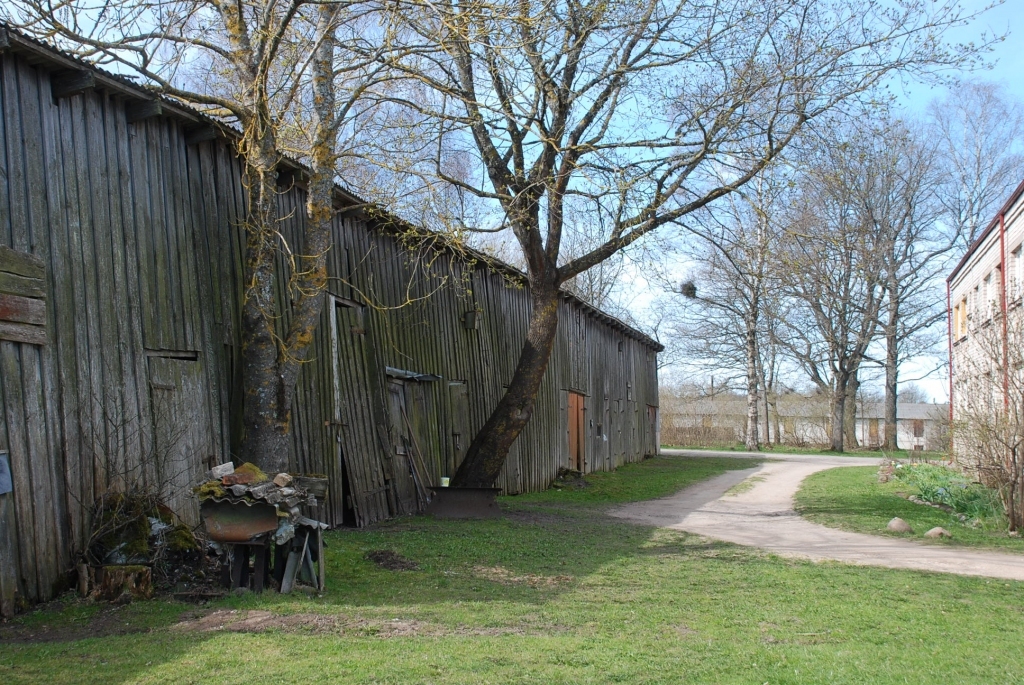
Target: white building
<point>986,321</point>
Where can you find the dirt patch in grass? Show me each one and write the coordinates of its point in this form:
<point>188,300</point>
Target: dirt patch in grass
<point>106,622</point>
<point>391,560</point>
<point>567,478</point>
<point>241,621</point>
<point>745,486</point>
<point>498,574</point>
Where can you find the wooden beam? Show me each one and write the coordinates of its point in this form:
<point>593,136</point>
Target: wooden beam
<point>5,39</point>
<point>21,263</point>
<point>139,111</point>
<point>13,284</point>
<point>23,333</point>
<point>67,83</point>
<point>200,134</point>
<point>286,177</point>
<point>22,310</point>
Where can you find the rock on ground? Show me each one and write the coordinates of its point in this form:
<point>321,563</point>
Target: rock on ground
<point>898,525</point>
<point>938,532</point>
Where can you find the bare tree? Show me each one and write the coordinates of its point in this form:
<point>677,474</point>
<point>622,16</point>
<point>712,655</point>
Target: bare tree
<point>979,128</point>
<point>738,240</point>
<point>260,65</point>
<point>632,110</point>
<point>899,197</point>
<point>833,267</point>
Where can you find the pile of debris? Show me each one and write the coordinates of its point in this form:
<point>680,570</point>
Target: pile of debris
<point>137,542</point>
<point>248,484</point>
<point>245,511</point>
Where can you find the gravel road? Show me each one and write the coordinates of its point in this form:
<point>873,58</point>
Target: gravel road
<point>763,516</point>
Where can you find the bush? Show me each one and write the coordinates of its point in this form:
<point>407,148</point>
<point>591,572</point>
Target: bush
<point>943,485</point>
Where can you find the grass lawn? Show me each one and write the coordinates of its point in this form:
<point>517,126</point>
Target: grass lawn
<point>792,449</point>
<point>853,499</point>
<point>554,592</point>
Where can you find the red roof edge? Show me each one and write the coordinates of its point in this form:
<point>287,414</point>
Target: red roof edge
<point>1014,196</point>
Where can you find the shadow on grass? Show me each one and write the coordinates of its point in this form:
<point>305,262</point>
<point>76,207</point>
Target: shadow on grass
<point>476,572</point>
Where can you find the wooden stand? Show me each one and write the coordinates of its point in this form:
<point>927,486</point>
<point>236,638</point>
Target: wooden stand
<point>236,572</point>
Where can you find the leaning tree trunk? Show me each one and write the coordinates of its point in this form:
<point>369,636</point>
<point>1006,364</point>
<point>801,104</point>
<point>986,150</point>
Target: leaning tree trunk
<point>486,454</point>
<point>751,442</point>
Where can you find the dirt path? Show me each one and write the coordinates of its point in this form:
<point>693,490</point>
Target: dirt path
<point>762,516</point>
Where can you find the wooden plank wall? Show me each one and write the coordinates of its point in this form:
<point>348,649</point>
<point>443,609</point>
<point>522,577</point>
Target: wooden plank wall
<point>138,233</point>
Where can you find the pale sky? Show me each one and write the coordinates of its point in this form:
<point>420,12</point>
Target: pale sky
<point>1006,66</point>
<point>1006,60</point>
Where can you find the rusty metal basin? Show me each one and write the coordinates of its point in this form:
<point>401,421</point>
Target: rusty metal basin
<point>237,522</point>
<point>464,503</point>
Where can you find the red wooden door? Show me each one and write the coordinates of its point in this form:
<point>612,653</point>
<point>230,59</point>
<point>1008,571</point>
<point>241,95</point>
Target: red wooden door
<point>577,460</point>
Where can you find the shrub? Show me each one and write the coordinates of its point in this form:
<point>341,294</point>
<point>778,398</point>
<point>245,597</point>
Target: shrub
<point>943,485</point>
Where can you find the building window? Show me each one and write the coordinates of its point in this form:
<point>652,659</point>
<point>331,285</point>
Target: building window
<point>918,428</point>
<point>987,298</point>
<point>1014,278</point>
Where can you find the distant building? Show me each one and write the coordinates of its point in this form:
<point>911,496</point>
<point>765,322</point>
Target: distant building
<point>721,419</point>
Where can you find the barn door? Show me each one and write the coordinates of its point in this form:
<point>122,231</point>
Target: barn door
<point>183,442</point>
<point>652,430</point>
<point>364,464</point>
<point>402,446</point>
<point>458,394</point>
<point>577,459</point>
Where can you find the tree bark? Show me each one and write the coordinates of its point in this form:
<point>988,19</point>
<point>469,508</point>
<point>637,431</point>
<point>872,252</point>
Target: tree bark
<point>837,427</point>
<point>265,440</point>
<point>890,441</point>
<point>775,419</point>
<point>486,454</point>
<point>751,442</point>
<point>850,412</point>
<point>271,366</point>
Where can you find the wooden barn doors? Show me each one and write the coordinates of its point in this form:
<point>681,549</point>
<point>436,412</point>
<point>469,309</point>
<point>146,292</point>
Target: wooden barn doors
<point>361,482</point>
<point>183,439</point>
<point>409,479</point>
<point>577,432</point>
<point>458,395</point>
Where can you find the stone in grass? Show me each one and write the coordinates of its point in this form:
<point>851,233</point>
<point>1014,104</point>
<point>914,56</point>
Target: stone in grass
<point>938,532</point>
<point>898,525</point>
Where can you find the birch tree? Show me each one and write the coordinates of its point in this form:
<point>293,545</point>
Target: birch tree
<point>978,128</point>
<point>738,240</point>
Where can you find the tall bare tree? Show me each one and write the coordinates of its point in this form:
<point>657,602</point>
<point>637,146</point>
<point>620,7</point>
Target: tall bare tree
<point>833,267</point>
<point>899,197</point>
<point>979,128</point>
<point>257,64</point>
<point>738,239</point>
<point>633,110</point>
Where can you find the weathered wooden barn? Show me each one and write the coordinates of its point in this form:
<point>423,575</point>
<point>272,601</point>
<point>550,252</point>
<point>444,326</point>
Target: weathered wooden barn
<point>120,285</point>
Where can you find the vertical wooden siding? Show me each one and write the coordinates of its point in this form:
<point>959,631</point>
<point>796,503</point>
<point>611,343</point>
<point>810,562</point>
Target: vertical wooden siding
<point>140,234</point>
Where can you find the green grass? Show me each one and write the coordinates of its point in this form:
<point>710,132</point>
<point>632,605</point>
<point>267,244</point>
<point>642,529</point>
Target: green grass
<point>853,499</point>
<point>793,449</point>
<point>556,592</point>
<point>653,478</point>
